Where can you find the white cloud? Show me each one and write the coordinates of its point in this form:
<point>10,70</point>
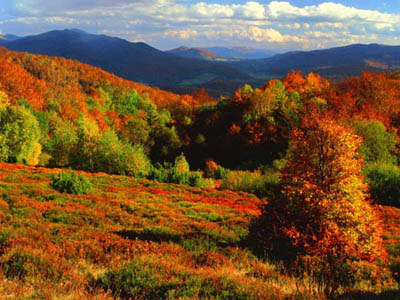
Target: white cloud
<point>251,10</point>
<point>205,10</point>
<point>269,35</point>
<point>167,23</point>
<point>329,11</point>
<point>184,34</point>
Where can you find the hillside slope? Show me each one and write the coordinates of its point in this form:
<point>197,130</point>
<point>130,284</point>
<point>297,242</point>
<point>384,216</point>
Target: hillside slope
<point>196,53</point>
<point>133,61</point>
<point>179,240</point>
<point>131,237</point>
<point>221,53</point>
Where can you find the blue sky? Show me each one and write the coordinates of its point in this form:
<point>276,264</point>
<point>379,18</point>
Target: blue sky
<point>275,25</point>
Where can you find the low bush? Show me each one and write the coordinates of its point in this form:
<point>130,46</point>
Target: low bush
<point>154,280</point>
<point>213,170</point>
<point>71,183</point>
<point>179,173</point>
<point>250,182</point>
<point>384,183</point>
<point>171,175</point>
<point>22,265</point>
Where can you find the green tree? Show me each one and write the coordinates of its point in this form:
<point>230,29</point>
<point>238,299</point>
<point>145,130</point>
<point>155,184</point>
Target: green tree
<point>166,144</point>
<point>378,144</point>
<point>88,137</point>
<point>20,135</point>
<point>115,157</point>
<point>137,132</point>
<point>181,165</point>
<point>63,142</point>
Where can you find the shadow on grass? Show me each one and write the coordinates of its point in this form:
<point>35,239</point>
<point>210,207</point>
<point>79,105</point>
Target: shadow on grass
<point>149,235</point>
<point>358,295</point>
<point>158,236</point>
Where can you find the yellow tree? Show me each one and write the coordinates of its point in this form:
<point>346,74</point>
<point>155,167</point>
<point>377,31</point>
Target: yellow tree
<point>321,214</point>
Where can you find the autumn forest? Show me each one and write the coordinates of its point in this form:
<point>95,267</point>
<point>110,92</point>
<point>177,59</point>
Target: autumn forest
<point>111,189</point>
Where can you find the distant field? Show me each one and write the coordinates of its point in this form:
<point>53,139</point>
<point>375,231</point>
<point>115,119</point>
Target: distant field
<point>136,237</point>
<point>197,81</point>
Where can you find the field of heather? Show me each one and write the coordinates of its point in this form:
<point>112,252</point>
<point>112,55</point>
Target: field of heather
<point>138,239</point>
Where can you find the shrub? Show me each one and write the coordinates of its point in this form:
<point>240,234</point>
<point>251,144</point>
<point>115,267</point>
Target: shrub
<point>22,265</point>
<point>141,279</point>
<point>196,179</point>
<point>160,174</point>
<point>179,174</point>
<point>136,280</point>
<point>71,183</point>
<point>384,184</point>
<point>250,182</point>
<point>181,165</point>
<point>213,170</point>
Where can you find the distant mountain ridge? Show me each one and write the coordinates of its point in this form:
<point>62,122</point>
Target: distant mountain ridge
<point>8,38</point>
<point>241,52</point>
<point>338,62</point>
<point>135,61</point>
<point>197,53</point>
<point>221,70</point>
<point>221,53</point>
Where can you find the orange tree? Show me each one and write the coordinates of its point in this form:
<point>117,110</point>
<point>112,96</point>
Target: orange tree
<point>320,217</point>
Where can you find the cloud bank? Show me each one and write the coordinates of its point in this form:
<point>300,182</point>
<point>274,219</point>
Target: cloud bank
<point>277,25</point>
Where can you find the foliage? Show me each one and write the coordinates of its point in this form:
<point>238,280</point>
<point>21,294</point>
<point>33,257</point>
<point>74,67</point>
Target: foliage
<point>378,145</point>
<point>4,102</point>
<point>144,280</point>
<point>384,183</point>
<point>63,145</point>
<point>395,268</point>
<point>22,265</point>
<point>181,165</point>
<point>168,144</point>
<point>137,132</point>
<point>213,170</point>
<point>114,157</point>
<point>20,132</point>
<point>321,211</point>
<point>179,173</point>
<point>129,232</point>
<point>71,183</point>
<point>250,182</point>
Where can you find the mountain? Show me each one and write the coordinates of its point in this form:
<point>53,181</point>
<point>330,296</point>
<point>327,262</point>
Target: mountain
<point>197,53</point>
<point>241,52</point>
<point>8,38</point>
<point>135,61</point>
<point>221,53</point>
<point>335,63</point>
<point>219,69</point>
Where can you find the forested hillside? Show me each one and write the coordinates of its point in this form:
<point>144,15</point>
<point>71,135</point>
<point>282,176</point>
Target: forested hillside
<point>54,110</point>
<point>285,191</point>
<point>134,61</point>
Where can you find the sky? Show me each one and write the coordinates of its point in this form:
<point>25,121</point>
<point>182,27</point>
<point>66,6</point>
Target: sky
<point>165,24</point>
